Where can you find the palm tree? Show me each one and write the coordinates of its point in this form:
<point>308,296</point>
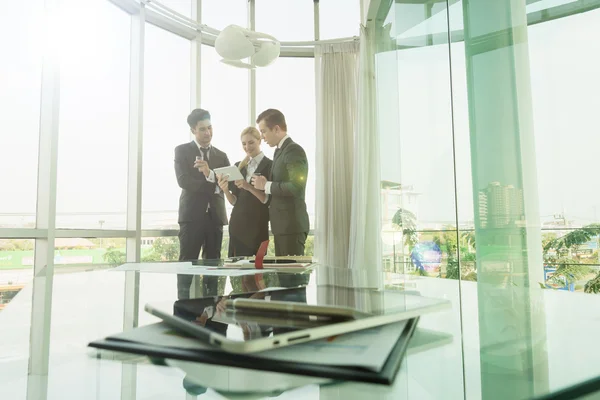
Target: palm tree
<point>568,268</point>
<point>407,222</point>
<point>593,285</point>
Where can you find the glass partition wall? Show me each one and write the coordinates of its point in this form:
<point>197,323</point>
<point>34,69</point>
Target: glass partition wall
<point>430,202</point>
<point>487,133</point>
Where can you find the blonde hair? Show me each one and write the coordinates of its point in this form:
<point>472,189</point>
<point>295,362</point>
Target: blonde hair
<point>256,135</point>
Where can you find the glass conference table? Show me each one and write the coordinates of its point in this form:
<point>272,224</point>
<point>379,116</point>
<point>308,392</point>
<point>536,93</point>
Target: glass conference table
<point>551,348</point>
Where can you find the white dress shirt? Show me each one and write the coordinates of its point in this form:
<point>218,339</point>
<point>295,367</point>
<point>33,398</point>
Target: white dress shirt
<point>268,184</point>
<point>253,164</point>
<point>211,175</point>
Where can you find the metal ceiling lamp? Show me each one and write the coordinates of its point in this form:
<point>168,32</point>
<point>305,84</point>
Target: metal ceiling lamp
<point>235,43</point>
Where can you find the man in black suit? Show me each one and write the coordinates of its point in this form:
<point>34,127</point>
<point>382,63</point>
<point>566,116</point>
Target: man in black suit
<point>201,204</point>
<point>286,185</point>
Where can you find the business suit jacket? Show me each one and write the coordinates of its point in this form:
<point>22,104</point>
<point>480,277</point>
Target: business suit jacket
<point>287,206</point>
<point>196,191</point>
<point>249,222</point>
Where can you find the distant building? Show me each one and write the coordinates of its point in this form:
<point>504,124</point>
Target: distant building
<point>500,206</point>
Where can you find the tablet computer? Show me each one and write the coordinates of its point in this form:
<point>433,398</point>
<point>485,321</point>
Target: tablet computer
<point>210,320</point>
<point>291,309</point>
<point>232,173</point>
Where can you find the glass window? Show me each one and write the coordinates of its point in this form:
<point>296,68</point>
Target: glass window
<point>418,188</point>
<point>16,264</point>
<point>565,91</point>
<point>295,98</point>
<point>225,95</point>
<point>82,254</point>
<point>290,20</point>
<point>80,265</point>
<point>218,13</point>
<point>94,116</point>
<point>20,85</point>
<point>166,107</point>
<point>422,144</point>
<point>339,18</point>
<point>16,272</point>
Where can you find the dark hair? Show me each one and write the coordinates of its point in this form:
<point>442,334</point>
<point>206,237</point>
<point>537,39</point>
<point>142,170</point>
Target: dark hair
<point>273,117</point>
<point>196,116</point>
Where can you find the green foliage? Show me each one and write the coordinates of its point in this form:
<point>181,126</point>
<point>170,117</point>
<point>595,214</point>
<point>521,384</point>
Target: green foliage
<point>547,238</point>
<point>452,271</point>
<point>573,239</point>
<point>406,221</point>
<point>16,244</point>
<point>471,276</point>
<point>271,249</point>
<point>569,268</point>
<point>593,285</point>
<point>114,256</point>
<point>468,256</point>
<point>309,247</point>
<point>236,284</point>
<point>450,243</point>
<point>468,239</point>
<point>167,249</point>
<point>225,247</point>
<point>163,249</point>
<point>151,257</point>
<point>221,284</point>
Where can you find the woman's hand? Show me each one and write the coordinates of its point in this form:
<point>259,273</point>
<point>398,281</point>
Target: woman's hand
<point>223,183</point>
<point>242,184</point>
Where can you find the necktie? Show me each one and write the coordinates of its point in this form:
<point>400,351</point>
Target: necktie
<point>277,150</point>
<point>250,169</point>
<point>204,153</point>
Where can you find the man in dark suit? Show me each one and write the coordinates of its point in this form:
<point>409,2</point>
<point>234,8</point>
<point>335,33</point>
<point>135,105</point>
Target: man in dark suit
<point>201,204</point>
<point>286,185</point>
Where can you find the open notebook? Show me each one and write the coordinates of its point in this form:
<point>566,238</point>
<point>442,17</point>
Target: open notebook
<point>354,356</point>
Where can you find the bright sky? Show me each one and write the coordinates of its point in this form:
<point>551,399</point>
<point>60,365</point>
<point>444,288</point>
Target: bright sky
<point>92,172</point>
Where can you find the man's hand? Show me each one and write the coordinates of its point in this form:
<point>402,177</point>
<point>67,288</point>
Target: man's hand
<point>223,183</point>
<point>259,182</point>
<point>242,184</point>
<point>203,167</point>
<point>201,320</point>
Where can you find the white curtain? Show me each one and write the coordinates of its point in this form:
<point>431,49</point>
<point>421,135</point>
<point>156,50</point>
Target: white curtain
<point>365,231</point>
<point>336,91</point>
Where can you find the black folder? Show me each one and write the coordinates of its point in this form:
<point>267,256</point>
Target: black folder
<point>218,357</point>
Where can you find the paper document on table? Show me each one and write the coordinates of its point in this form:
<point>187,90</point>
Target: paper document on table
<point>367,348</point>
<point>186,268</point>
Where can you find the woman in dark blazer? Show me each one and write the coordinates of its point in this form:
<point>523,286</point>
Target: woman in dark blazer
<point>249,222</point>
